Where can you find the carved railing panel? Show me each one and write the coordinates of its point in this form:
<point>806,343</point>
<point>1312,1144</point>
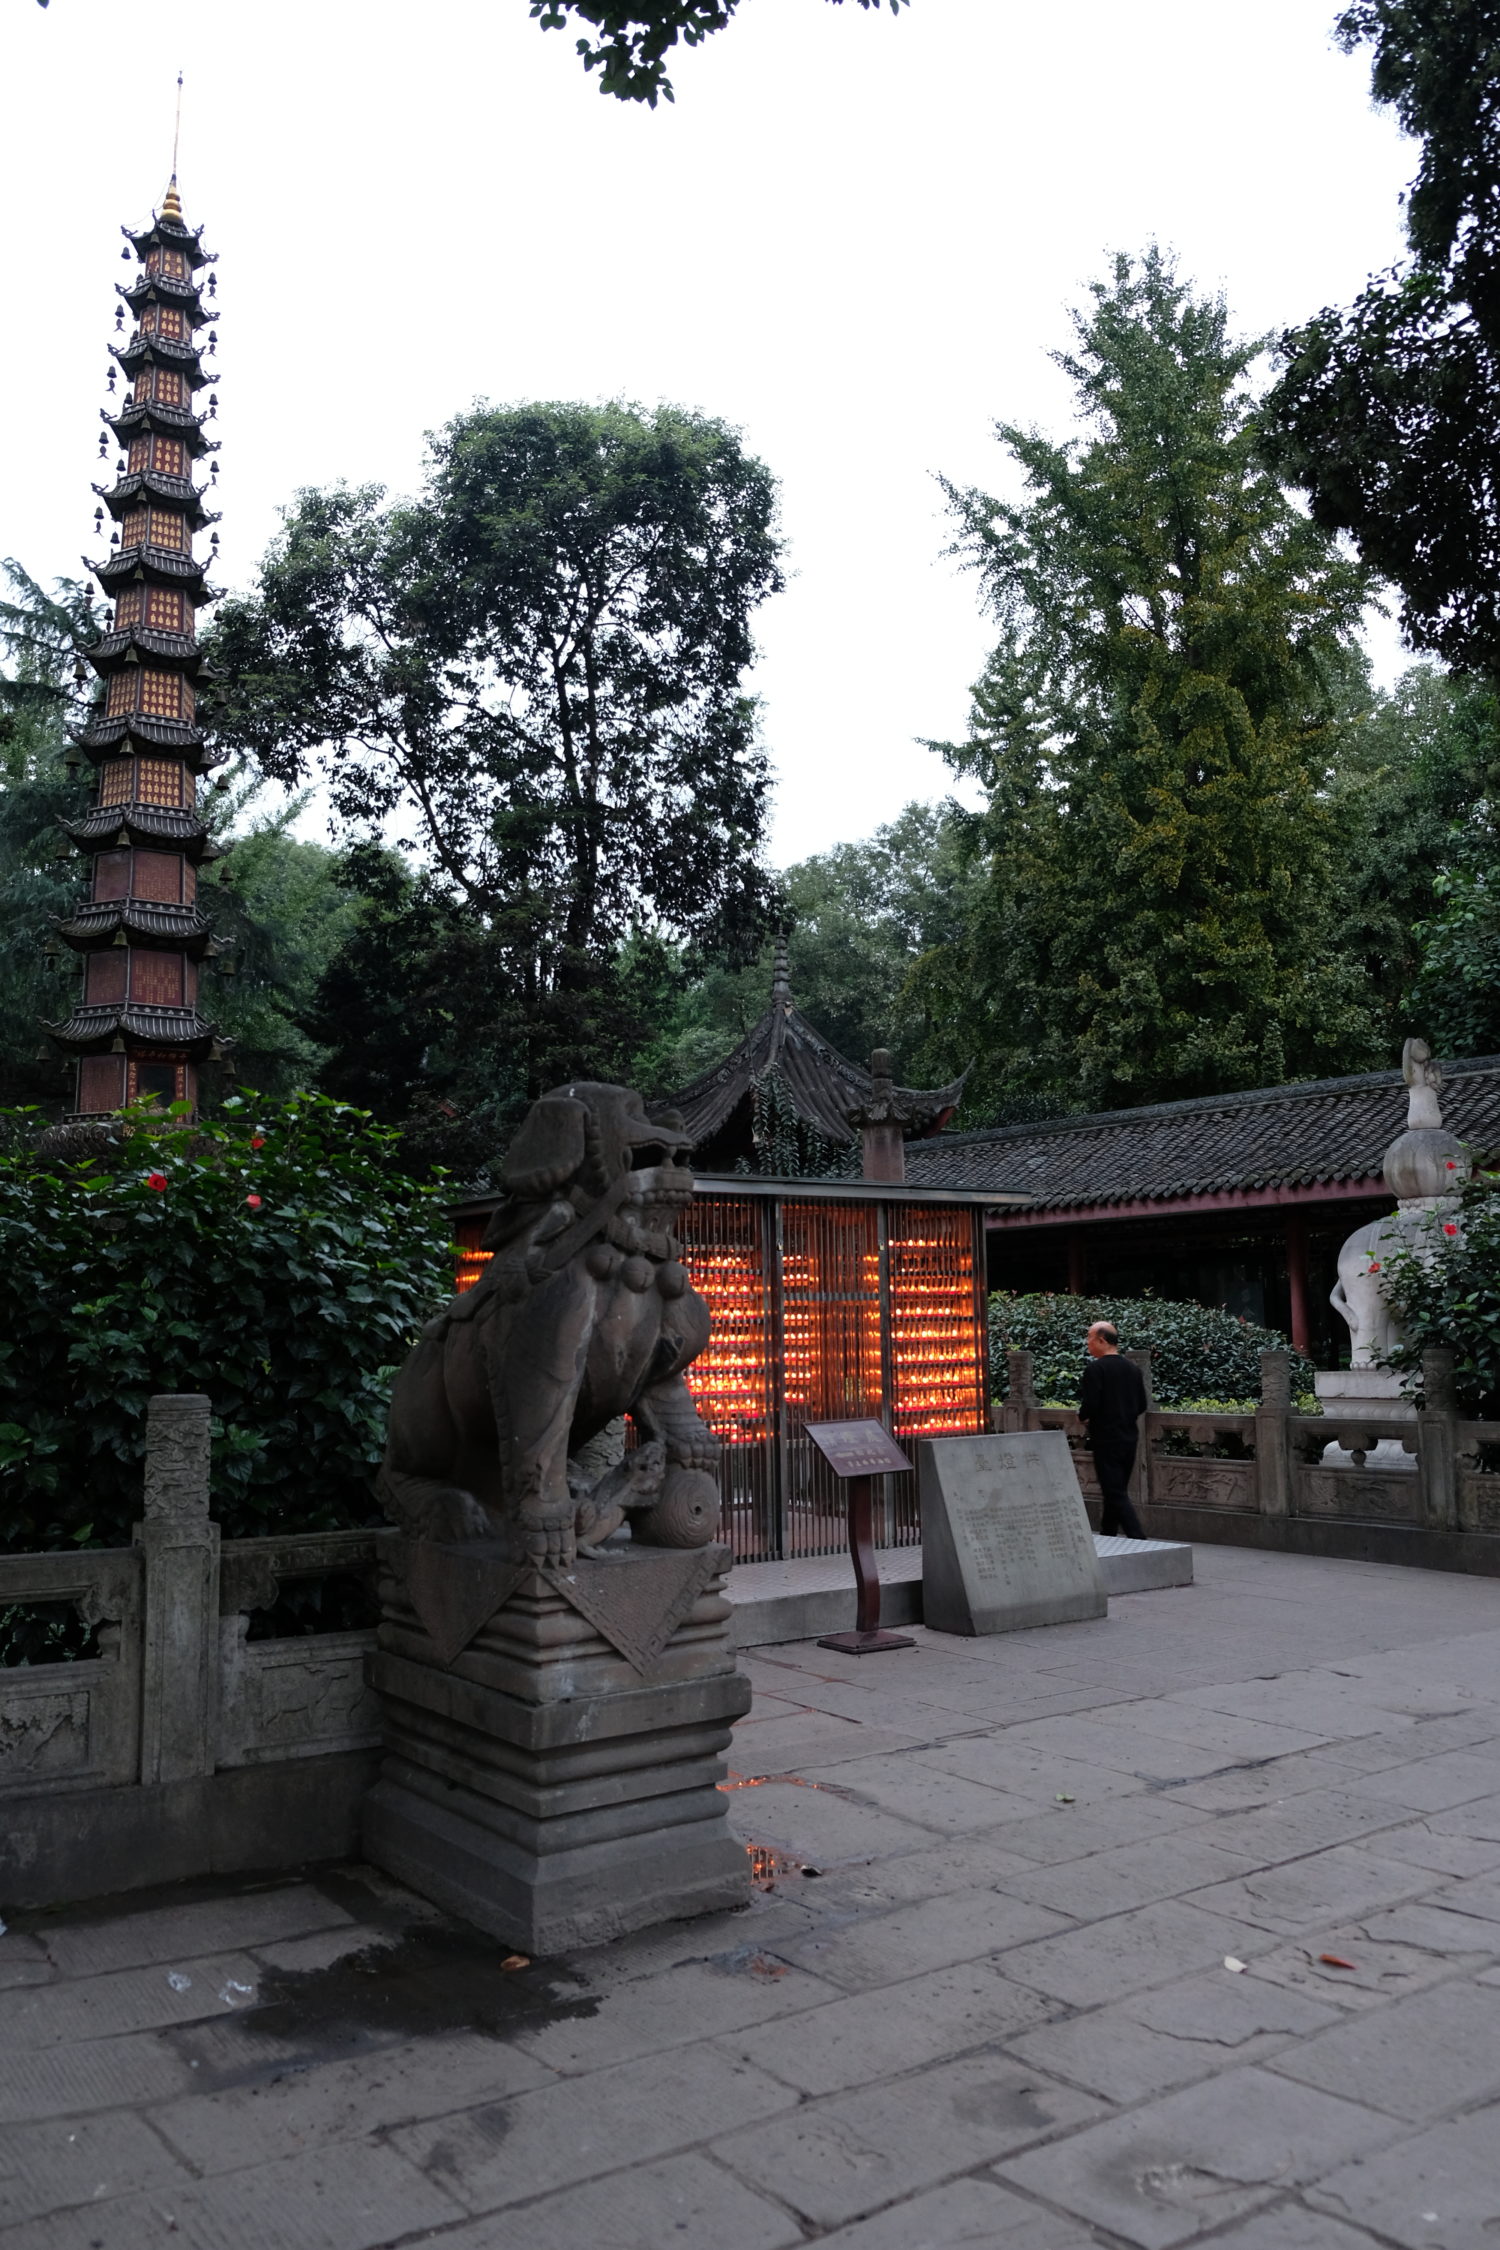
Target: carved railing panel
<point>1180,1481</point>
<point>301,1698</point>
<point>304,1693</point>
<point>1477,1462</point>
<point>74,1725</point>
<point>1357,1495</point>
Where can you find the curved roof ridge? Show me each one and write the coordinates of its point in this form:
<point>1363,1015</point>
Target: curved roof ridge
<point>1313,1132</point>
<point>1081,1121</point>
<point>824,1085</point>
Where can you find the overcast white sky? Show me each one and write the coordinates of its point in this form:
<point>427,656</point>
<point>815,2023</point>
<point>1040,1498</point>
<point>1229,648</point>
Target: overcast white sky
<point>853,237</point>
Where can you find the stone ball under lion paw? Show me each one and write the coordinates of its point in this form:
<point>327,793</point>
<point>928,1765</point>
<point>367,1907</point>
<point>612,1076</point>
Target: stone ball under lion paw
<point>686,1515</point>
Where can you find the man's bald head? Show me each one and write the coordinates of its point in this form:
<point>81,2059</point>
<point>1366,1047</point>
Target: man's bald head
<point>1103,1338</point>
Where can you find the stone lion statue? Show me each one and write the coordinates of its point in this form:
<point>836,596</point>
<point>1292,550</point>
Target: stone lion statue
<point>507,1417</point>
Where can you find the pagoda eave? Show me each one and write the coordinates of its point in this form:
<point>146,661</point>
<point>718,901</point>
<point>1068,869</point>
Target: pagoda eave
<point>170,288</point>
<point>95,1031</point>
<point>183,359</point>
<point>180,929</point>
<point>179,649</point>
<point>105,827</point>
<point>176,492</point>
<point>104,737</point>
<point>173,421</point>
<point>173,235</point>
<point>172,564</point>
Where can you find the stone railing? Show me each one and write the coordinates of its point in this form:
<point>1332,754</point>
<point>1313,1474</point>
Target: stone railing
<point>1306,1482</point>
<point>193,1735</point>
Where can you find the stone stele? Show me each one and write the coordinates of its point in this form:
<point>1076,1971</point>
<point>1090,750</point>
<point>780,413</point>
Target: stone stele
<point>559,1691</point>
<point>1005,1536</point>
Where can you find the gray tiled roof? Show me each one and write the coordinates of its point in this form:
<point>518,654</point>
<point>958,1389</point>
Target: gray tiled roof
<point>823,1084</point>
<point>1326,1130</point>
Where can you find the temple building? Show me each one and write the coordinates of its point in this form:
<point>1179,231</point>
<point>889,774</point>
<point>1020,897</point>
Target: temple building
<point>136,1031</point>
<point>786,1103</point>
<point>1236,1200</point>
<point>839,1291</point>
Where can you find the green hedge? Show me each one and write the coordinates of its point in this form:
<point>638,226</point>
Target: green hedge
<point>1197,1353</point>
<point>274,1258</point>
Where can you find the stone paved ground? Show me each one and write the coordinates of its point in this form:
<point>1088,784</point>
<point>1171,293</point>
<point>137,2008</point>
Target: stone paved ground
<point>1000,2013</point>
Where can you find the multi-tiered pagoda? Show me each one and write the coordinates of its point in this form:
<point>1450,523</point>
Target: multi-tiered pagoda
<point>136,1030</point>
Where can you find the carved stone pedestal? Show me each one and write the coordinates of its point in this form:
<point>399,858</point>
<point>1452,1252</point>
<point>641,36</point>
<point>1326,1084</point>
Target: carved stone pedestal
<point>554,1741</point>
<point>1345,1393</point>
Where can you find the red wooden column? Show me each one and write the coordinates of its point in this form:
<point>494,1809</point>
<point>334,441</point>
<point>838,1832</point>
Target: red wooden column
<point>1296,1274</point>
<point>1077,1265</point>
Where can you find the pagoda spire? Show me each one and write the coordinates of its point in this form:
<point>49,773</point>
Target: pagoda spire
<point>135,1031</point>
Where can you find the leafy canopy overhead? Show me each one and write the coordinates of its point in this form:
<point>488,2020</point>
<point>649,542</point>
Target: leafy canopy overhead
<point>634,37</point>
<point>1388,412</point>
<point>1152,734</point>
<point>532,673</point>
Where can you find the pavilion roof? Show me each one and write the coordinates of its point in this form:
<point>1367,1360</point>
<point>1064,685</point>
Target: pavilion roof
<point>1322,1132</point>
<point>824,1086</point>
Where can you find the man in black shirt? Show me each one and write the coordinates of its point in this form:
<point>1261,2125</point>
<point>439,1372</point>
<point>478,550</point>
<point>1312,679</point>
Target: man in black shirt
<point>1110,1403</point>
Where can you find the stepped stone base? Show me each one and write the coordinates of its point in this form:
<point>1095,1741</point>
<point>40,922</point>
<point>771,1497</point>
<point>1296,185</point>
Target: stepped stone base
<point>797,1601</point>
<point>545,1785</point>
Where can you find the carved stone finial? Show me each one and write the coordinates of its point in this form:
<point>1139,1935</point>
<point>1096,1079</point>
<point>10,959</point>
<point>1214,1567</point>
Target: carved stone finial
<point>1425,1078</point>
<point>781,974</point>
<point>1275,1381</point>
<point>177,1457</point>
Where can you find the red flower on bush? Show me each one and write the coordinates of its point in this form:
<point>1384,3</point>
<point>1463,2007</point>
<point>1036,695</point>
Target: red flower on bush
<point>1451,1165</point>
<point>1374,1265</point>
<point>253,1201</point>
<point>1449,1227</point>
<point>157,1180</point>
<point>259,1141</point>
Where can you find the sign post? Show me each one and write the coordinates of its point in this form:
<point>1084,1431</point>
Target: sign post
<point>856,1452</point>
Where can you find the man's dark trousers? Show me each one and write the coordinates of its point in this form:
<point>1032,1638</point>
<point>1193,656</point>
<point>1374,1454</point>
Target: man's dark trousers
<point>1112,1466</point>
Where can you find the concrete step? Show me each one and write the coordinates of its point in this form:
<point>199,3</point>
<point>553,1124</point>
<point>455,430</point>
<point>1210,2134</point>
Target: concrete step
<point>797,1601</point>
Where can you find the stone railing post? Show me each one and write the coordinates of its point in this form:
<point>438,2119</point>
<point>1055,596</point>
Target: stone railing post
<point>180,1547</point>
<point>1140,1475</point>
<point>1020,1410</point>
<point>1272,1484</point>
<point>1437,1441</point>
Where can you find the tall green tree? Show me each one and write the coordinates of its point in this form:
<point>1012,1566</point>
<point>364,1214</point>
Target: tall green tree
<point>1388,412</point>
<point>43,690</point>
<point>532,676</point>
<point>633,38</point>
<point>862,917</point>
<point>1413,798</point>
<point>281,907</point>
<point>1153,734</point>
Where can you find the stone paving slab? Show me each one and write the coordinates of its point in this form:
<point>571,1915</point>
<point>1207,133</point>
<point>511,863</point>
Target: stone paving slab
<point>968,2214</point>
<point>176,1935</point>
<point>684,2199</point>
<point>1034,1964</point>
<point>64,2162</point>
<point>1437,2191</point>
<point>1175,2167</point>
<point>880,2033</point>
<point>1190,2029</point>
<point>356,2196</point>
<point>837,2159</point>
<point>509,2152</point>
<point>1419,2058</point>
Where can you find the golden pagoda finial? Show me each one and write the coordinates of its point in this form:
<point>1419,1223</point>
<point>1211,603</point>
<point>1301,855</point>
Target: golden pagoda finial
<point>171,206</point>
